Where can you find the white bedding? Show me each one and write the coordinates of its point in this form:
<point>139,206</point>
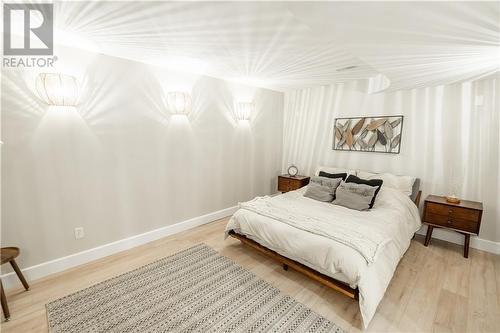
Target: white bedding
<point>394,214</point>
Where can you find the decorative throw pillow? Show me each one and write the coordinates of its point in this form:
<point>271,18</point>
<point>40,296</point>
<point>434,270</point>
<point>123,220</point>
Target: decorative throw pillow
<point>333,175</point>
<point>372,182</point>
<point>325,181</point>
<point>319,192</point>
<point>354,196</point>
<point>330,169</point>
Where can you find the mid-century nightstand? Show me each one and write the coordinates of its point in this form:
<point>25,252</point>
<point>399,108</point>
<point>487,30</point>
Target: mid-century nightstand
<point>464,217</point>
<point>290,183</point>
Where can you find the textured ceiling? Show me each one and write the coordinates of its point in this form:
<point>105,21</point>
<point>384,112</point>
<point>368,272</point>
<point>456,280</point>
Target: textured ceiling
<point>414,43</point>
<point>293,45</point>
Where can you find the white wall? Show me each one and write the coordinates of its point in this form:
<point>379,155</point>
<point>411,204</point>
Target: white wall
<point>446,139</point>
<point>119,164</point>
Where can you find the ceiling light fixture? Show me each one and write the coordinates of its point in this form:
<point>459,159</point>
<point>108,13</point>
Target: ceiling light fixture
<point>57,89</point>
<point>179,103</point>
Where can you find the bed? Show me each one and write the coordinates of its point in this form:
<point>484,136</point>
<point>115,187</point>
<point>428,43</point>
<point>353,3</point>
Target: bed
<point>353,252</point>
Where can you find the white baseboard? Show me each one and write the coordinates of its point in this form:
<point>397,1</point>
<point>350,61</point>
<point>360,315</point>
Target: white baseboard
<point>10,280</point>
<point>454,237</point>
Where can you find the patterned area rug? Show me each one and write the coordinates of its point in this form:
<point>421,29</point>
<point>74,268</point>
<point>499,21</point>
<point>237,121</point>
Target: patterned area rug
<point>195,290</point>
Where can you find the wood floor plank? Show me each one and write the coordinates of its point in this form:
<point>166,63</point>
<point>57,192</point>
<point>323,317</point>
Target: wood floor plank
<point>434,288</point>
<point>451,314</point>
<point>496,263</point>
<point>457,275</point>
<point>419,312</point>
<point>484,308</point>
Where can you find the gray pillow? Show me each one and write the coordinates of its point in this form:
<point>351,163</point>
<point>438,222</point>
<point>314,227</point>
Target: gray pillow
<point>319,192</point>
<point>354,196</point>
<point>325,181</point>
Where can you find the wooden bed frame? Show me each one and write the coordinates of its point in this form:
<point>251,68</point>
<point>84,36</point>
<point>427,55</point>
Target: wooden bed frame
<point>309,272</point>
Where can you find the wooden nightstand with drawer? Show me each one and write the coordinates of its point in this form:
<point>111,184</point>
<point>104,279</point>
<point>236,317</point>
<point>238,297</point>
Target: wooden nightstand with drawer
<point>290,183</point>
<point>464,217</point>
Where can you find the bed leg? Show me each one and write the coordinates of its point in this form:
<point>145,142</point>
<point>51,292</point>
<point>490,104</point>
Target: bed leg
<point>285,267</point>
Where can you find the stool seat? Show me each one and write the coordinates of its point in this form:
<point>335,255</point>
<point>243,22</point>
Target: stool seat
<point>8,253</point>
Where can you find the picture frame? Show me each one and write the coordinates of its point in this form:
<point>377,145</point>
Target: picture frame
<point>379,134</point>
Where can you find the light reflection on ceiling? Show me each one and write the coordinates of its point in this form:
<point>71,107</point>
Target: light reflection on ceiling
<point>293,45</point>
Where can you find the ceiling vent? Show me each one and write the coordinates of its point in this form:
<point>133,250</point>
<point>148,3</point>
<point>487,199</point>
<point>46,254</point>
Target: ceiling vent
<point>346,68</point>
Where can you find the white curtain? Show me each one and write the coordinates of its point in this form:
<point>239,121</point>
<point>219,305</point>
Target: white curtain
<point>450,137</point>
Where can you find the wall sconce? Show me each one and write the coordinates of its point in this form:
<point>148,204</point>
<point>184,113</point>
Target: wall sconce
<point>179,103</point>
<point>57,89</point>
<point>244,110</point>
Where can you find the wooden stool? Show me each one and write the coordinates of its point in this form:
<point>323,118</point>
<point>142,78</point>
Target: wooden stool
<point>8,254</point>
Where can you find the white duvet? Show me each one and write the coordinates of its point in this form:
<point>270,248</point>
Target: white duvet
<point>364,256</point>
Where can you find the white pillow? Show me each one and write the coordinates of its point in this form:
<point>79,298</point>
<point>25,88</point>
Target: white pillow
<point>334,170</point>
<point>400,183</point>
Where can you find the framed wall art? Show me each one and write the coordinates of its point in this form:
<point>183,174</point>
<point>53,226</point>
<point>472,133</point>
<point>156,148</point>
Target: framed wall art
<point>370,134</point>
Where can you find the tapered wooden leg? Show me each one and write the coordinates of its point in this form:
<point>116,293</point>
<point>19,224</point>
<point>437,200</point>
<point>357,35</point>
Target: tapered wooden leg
<point>285,267</point>
<point>466,245</point>
<point>5,307</point>
<point>19,274</point>
<point>428,235</point>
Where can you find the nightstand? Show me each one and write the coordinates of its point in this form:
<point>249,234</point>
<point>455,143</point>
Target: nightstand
<point>290,183</point>
<point>464,217</point>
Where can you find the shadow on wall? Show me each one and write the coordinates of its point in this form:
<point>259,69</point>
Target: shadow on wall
<point>205,93</point>
<point>19,94</point>
<point>108,93</point>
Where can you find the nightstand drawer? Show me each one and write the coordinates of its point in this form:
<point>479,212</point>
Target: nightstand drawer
<point>284,184</point>
<point>452,222</point>
<point>454,212</point>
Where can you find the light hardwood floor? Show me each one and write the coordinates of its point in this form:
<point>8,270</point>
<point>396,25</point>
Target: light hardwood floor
<point>433,289</point>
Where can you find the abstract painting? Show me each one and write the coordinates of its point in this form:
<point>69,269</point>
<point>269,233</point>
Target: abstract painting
<point>372,134</point>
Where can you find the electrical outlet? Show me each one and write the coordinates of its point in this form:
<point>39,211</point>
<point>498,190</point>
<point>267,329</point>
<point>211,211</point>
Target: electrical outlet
<point>79,233</point>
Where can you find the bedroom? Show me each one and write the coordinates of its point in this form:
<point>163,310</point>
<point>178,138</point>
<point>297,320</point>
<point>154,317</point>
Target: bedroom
<point>250,166</point>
